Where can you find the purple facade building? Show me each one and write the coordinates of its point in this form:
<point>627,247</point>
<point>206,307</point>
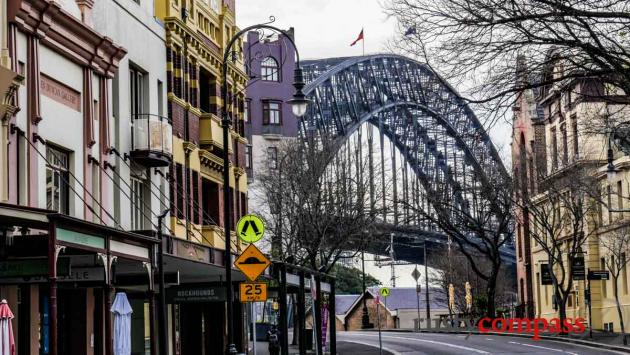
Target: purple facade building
<point>270,64</point>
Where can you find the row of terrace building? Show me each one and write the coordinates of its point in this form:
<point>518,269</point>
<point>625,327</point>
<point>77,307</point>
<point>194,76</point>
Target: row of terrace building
<point>110,117</point>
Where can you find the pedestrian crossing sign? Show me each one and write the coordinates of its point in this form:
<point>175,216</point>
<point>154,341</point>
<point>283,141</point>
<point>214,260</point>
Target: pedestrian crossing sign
<point>384,292</point>
<point>250,228</point>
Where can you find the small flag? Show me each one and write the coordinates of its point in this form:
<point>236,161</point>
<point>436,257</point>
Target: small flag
<point>410,31</point>
<point>360,38</point>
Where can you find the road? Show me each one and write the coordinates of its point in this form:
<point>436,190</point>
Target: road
<point>457,344</point>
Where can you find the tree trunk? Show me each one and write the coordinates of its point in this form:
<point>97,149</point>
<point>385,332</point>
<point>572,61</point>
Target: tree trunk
<point>491,290</point>
<point>561,301</point>
<point>619,312</point>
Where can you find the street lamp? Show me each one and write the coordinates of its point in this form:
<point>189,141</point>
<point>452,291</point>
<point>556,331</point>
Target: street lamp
<point>299,105</point>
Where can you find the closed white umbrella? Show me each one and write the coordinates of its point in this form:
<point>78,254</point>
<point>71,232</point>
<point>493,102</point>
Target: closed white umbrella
<point>7,342</point>
<point>122,324</point>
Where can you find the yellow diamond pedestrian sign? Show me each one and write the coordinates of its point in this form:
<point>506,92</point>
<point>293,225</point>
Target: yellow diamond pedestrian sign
<point>252,262</point>
<point>250,228</point>
<point>384,292</point>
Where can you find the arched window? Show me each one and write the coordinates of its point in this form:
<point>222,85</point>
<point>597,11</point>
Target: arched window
<point>270,70</point>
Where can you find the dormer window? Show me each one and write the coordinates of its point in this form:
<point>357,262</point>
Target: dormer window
<point>270,70</point>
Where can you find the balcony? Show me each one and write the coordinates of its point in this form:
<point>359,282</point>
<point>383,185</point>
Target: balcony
<point>151,140</point>
<point>274,130</point>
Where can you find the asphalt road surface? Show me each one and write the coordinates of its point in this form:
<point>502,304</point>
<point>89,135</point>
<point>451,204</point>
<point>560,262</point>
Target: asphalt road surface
<point>457,344</point>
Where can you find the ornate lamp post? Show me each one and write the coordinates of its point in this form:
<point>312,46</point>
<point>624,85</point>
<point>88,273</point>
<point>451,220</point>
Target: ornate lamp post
<point>299,104</point>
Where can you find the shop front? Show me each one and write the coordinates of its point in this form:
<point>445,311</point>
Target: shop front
<point>60,274</point>
<point>197,305</point>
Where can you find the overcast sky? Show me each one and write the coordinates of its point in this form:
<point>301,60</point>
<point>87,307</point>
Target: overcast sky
<point>325,28</point>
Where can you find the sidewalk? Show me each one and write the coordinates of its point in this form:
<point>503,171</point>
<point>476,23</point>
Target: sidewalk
<point>343,348</point>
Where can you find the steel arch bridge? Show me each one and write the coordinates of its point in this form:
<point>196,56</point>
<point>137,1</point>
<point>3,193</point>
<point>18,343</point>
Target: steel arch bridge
<point>431,126</point>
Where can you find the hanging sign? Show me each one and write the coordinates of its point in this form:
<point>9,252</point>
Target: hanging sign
<point>577,269</point>
<point>250,228</point>
<point>252,262</point>
<point>545,275</point>
<point>598,275</point>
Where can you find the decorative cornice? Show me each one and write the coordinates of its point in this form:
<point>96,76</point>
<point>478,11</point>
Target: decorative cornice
<point>61,31</point>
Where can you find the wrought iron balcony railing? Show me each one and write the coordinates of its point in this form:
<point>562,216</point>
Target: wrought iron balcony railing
<point>151,140</point>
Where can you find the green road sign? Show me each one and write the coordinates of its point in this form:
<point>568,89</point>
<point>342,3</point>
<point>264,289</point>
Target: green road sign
<point>250,228</point>
<point>384,292</point>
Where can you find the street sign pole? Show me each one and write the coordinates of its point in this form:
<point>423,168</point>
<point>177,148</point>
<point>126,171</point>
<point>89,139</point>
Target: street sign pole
<point>378,321</point>
<point>253,305</point>
<point>418,299</point>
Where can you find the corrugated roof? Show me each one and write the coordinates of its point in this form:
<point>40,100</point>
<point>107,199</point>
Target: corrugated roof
<point>344,302</point>
<point>406,298</point>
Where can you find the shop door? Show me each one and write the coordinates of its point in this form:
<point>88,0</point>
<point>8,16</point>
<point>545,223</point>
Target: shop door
<point>191,339</point>
<point>71,322</point>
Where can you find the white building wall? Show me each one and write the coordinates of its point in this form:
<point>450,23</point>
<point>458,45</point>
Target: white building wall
<point>132,25</point>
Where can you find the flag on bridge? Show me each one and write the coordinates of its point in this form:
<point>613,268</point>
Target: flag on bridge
<point>360,38</point>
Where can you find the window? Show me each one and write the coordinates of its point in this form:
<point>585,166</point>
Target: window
<point>565,146</point>
<point>136,92</point>
<point>95,110</point>
<point>196,218</point>
<point>624,274</point>
<point>246,112</point>
<point>609,206</point>
<point>619,195</point>
<point>272,157</point>
<point>604,282</point>
<point>271,113</point>
<point>57,178</point>
<point>96,193</point>
<point>160,98</point>
<point>137,204</point>
<point>269,69</point>
<point>554,149</point>
<point>248,156</point>
<point>574,129</point>
<point>179,176</point>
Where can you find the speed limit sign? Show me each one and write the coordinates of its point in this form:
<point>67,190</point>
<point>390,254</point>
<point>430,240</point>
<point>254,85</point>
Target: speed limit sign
<point>253,292</point>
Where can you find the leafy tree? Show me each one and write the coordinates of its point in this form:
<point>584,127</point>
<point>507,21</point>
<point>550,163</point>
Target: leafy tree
<point>349,281</point>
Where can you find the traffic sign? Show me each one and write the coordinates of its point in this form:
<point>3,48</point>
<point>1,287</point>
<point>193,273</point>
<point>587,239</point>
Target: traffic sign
<point>252,262</point>
<point>253,292</point>
<point>415,274</point>
<point>384,292</point>
<point>250,228</point>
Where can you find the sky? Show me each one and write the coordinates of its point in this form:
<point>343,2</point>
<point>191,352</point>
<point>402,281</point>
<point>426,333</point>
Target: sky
<point>325,28</point>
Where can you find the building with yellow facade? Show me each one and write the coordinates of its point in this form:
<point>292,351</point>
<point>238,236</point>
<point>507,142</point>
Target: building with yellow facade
<point>558,135</point>
<point>197,33</point>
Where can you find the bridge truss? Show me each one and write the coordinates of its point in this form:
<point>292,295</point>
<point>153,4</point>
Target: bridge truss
<point>428,137</point>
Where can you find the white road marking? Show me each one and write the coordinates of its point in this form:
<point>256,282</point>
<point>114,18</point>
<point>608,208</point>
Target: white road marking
<point>430,342</point>
<point>489,339</point>
<point>394,352</point>
<point>542,347</point>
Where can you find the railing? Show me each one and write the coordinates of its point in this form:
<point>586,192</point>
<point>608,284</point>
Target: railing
<point>272,129</point>
<point>152,139</point>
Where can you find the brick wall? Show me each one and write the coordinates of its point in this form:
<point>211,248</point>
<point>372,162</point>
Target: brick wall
<point>354,320</point>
